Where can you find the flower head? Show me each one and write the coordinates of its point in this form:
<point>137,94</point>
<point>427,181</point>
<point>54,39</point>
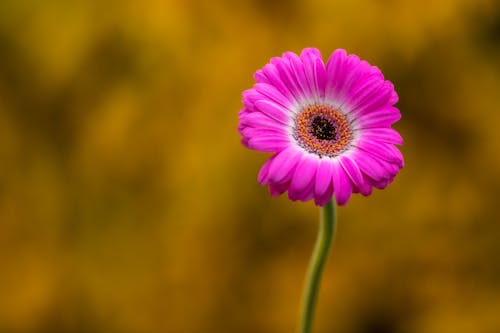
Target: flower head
<point>328,125</point>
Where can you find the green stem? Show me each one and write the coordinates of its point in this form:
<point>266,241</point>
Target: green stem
<point>316,265</point>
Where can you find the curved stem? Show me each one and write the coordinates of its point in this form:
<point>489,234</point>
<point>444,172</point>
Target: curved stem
<point>316,265</point>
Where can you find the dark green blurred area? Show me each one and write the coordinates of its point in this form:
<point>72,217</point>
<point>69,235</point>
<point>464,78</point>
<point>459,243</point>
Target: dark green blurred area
<point>127,203</point>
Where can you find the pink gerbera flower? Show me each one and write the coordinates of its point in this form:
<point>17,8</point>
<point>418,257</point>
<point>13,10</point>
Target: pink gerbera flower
<point>329,126</point>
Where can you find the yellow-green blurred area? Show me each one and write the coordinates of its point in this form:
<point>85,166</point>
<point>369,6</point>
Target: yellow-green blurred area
<point>127,203</point>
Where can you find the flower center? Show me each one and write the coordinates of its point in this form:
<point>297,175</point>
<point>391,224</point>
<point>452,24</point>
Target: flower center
<point>322,130</point>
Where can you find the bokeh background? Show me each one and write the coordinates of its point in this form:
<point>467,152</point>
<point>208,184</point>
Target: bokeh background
<point>127,203</point>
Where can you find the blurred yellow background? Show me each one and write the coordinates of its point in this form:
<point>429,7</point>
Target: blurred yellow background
<point>127,203</point>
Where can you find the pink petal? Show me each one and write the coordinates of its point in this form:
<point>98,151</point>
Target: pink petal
<point>260,77</point>
<point>383,117</point>
<point>352,170</point>
<point>323,177</point>
<point>304,195</point>
<point>288,77</point>
<point>278,189</point>
<point>324,185</point>
<point>321,77</point>
<point>244,141</point>
<point>369,188</point>
<point>308,193</point>
<point>335,73</point>
<point>364,90</point>
<point>387,135</point>
<point>271,92</point>
<point>260,120</point>
<point>370,95</point>
<point>384,151</point>
<point>249,97</point>
<point>394,98</point>
<point>370,166</point>
<point>344,74</point>
<point>355,70</point>
<point>300,76</point>
<point>354,77</point>
<point>264,132</point>
<point>272,110</point>
<point>275,80</point>
<point>375,71</point>
<point>268,144</point>
<point>323,200</point>
<point>264,172</point>
<point>284,164</point>
<point>304,175</point>
<point>342,186</point>
<point>243,112</point>
<point>390,169</point>
<point>314,70</point>
<point>396,152</point>
<point>383,183</point>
